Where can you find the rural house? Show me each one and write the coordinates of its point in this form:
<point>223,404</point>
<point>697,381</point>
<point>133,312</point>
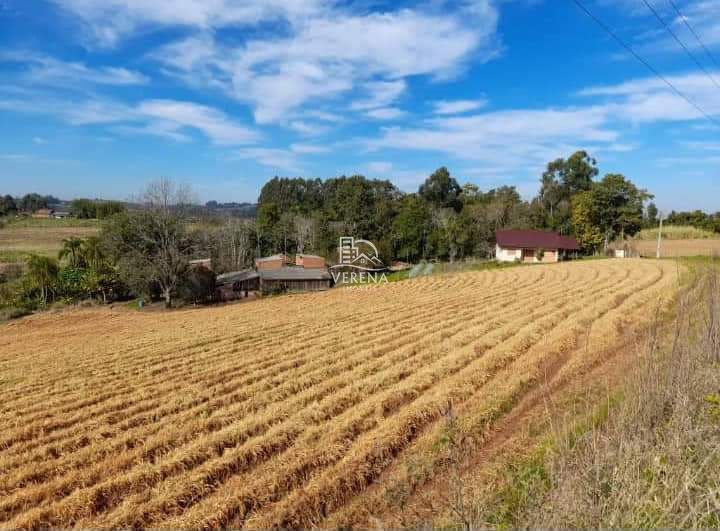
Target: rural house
<point>310,261</point>
<point>273,274</point>
<point>275,261</point>
<point>533,246</point>
<point>43,213</point>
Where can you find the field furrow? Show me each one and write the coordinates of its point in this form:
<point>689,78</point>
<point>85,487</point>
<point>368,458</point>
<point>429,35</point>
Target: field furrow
<point>290,411</point>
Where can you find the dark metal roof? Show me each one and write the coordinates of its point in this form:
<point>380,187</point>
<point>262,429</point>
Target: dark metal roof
<point>294,273</point>
<point>535,239</point>
<point>236,276</point>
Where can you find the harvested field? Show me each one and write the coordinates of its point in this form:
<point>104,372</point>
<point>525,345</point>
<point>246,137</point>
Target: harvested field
<point>19,239</point>
<point>293,411</point>
<point>678,248</point>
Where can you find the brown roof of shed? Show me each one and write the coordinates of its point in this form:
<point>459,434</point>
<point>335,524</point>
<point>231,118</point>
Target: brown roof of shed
<point>272,258</point>
<point>535,239</point>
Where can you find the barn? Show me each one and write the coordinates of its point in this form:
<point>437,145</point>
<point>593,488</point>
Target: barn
<point>294,279</point>
<point>272,274</point>
<point>533,246</point>
<point>236,285</point>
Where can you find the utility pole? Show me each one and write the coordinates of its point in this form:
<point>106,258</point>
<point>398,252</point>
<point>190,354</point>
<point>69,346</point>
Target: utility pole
<point>659,237</point>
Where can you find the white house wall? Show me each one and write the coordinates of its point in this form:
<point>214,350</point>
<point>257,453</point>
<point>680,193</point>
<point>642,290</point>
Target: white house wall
<point>507,255</point>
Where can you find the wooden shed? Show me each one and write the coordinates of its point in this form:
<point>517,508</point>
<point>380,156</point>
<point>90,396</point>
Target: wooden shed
<point>236,285</point>
<point>294,279</point>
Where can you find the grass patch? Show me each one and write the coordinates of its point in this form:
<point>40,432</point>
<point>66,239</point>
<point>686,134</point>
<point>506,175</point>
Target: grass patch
<point>649,456</point>
<point>34,223</point>
<point>677,232</point>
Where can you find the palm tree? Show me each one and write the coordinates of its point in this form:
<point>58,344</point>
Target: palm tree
<point>92,253</point>
<point>71,248</point>
<point>42,272</point>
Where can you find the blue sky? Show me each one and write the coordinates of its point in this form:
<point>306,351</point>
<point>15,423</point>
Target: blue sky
<point>97,97</point>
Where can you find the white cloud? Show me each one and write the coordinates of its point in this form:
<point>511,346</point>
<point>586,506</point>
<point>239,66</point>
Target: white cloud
<point>513,140</point>
<point>167,118</point>
<point>15,157</point>
<point>273,158</point>
<point>385,113</point>
<point>333,52</point>
<point>702,15</point>
<point>458,106</point>
<point>306,128</point>
<point>111,20</point>
<point>212,122</point>
<point>379,167</point>
<point>650,99</point>
<point>382,93</point>
<point>309,148</point>
<point>44,70</point>
<point>702,145</point>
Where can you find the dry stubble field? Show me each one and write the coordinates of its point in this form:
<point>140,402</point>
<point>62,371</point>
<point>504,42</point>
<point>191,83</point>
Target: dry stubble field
<point>292,411</point>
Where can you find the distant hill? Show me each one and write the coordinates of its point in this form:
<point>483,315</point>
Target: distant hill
<point>243,210</point>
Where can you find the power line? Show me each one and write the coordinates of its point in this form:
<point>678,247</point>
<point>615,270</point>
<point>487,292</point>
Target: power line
<point>643,61</point>
<point>697,37</point>
<point>681,43</point>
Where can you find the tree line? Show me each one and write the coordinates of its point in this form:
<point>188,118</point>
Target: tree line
<point>147,250</point>
<point>444,220</point>
<point>78,208</point>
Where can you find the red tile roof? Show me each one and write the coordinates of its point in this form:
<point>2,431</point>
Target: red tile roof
<point>535,239</point>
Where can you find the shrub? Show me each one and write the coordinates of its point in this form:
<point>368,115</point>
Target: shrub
<point>198,286</point>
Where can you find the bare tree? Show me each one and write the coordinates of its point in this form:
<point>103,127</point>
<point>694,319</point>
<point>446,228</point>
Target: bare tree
<point>152,244</point>
<point>234,244</point>
<point>304,233</point>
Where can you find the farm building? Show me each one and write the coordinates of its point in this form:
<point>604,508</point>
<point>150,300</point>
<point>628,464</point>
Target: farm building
<point>272,274</point>
<point>43,213</point>
<point>236,285</point>
<point>295,279</point>
<point>310,261</point>
<point>533,246</point>
<point>275,261</point>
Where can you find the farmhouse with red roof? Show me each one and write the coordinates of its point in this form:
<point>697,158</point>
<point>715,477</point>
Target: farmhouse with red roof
<point>533,246</point>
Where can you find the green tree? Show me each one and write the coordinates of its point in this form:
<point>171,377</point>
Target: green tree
<point>7,205</point>
<point>651,217</point>
<point>441,190</point>
<point>561,180</point>
<point>72,249</point>
<point>105,209</point>
<point>83,209</point>
<point>92,253</point>
<point>42,272</point>
<point>151,246</point>
<point>411,228</point>
<point>619,206</point>
<point>33,202</point>
<point>585,223</point>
